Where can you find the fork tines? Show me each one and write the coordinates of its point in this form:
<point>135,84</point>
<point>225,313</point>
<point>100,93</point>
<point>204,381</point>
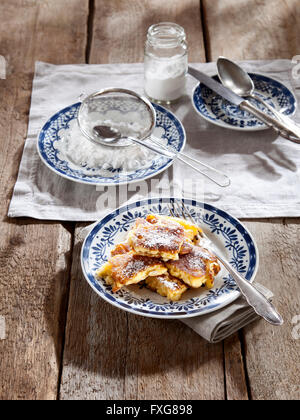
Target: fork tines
<point>181,211</point>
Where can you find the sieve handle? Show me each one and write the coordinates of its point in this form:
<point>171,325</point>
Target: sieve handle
<point>209,172</point>
<point>166,153</point>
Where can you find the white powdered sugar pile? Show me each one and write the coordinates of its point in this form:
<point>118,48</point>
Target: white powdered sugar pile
<point>74,146</point>
<point>165,80</point>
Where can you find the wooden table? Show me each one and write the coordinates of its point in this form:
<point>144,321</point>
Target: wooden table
<point>62,341</point>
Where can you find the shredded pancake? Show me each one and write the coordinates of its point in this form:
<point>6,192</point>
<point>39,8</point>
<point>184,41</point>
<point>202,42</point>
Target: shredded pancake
<point>161,238</point>
<point>162,251</point>
<point>129,268</point>
<point>121,249</point>
<point>195,268</point>
<point>190,230</point>
<point>166,285</point>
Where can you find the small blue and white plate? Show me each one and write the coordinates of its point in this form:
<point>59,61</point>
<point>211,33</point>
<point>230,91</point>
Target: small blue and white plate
<point>168,128</point>
<point>219,111</point>
<point>233,241</point>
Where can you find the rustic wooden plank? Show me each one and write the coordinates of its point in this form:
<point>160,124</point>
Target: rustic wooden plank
<point>256,29</point>
<point>167,360</point>
<point>96,341</point>
<point>269,31</point>
<point>272,354</point>
<point>235,377</point>
<point>110,354</point>
<point>120,28</point>
<point>34,265</point>
<point>34,257</point>
<point>219,19</point>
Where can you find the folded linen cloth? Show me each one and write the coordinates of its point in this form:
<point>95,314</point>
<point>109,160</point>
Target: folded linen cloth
<point>264,168</point>
<point>217,326</point>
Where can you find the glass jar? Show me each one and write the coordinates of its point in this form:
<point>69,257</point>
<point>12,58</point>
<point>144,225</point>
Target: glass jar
<point>165,62</point>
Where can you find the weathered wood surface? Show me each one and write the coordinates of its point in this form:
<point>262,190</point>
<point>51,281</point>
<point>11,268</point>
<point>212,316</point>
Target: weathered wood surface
<point>256,30</point>
<point>234,370</point>
<point>108,353</point>
<point>34,256</point>
<point>120,355</point>
<point>272,354</point>
<point>251,30</point>
<point>120,27</point>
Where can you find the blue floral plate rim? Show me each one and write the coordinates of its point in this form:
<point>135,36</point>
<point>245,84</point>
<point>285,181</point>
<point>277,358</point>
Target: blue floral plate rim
<point>258,126</point>
<point>163,163</point>
<point>216,299</point>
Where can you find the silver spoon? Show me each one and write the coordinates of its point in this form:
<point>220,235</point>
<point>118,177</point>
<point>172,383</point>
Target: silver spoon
<point>108,135</point>
<point>238,80</point>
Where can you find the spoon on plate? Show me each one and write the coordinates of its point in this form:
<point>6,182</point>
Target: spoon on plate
<point>108,135</point>
<point>238,80</point>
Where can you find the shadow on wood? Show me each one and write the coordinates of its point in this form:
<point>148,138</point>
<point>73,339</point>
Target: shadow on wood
<point>107,348</point>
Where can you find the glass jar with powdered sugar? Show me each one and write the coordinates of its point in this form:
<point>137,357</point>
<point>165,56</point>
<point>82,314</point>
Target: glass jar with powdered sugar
<point>166,62</point>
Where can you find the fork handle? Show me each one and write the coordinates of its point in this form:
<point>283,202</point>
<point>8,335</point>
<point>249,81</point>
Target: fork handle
<point>257,300</point>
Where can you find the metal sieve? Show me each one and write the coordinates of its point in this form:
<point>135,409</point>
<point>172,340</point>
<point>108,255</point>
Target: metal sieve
<point>122,109</point>
<point>126,116</point>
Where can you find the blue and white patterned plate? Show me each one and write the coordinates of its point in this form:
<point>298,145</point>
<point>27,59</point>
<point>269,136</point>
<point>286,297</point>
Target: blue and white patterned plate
<point>168,128</point>
<point>231,238</point>
<point>219,111</point>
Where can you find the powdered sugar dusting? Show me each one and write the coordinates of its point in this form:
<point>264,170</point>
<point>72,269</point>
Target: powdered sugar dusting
<point>160,239</point>
<point>198,258</point>
<point>77,149</point>
<point>195,262</point>
<point>134,266</point>
<point>126,266</point>
<point>163,236</point>
<point>166,281</point>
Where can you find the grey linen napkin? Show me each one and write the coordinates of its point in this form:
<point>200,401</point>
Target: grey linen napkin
<point>218,325</point>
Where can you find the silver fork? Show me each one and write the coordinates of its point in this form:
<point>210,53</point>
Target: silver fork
<point>257,300</point>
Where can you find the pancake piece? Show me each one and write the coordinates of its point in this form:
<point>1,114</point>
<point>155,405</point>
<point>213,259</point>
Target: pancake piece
<point>121,249</point>
<point>191,231</point>
<point>198,267</point>
<point>167,286</point>
<point>159,238</point>
<point>128,268</point>
<point>186,247</point>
